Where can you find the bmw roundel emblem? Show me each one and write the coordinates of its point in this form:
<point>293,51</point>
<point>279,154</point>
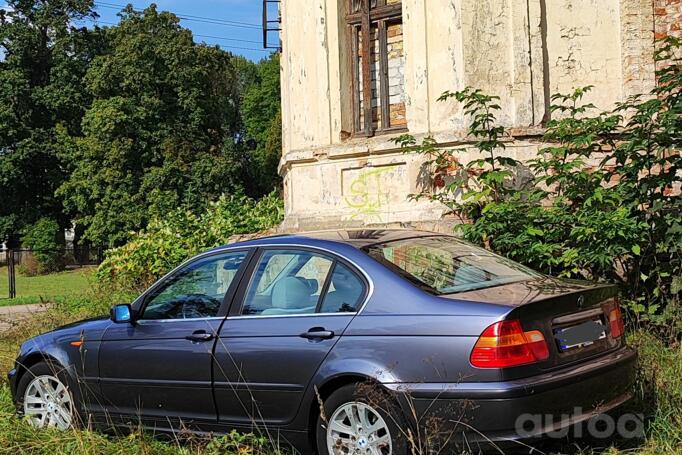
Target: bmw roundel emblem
<point>581,301</point>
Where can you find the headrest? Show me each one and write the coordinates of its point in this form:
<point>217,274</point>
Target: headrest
<point>290,293</point>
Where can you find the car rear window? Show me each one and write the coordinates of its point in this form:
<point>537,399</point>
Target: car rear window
<point>446,265</point>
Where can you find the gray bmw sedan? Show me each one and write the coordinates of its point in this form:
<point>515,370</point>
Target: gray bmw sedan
<point>346,341</point>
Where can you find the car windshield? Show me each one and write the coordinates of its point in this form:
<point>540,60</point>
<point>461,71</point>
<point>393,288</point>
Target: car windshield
<point>445,265</point>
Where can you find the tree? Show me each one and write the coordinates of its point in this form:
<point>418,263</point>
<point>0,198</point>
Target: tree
<point>43,58</point>
<point>160,133</point>
<point>262,119</point>
<point>247,73</point>
<point>45,238</point>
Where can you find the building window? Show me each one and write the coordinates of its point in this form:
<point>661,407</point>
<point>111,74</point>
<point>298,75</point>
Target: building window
<point>378,66</point>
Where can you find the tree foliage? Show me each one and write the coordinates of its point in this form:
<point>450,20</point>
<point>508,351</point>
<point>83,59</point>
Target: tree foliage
<point>44,59</point>
<point>178,235</point>
<point>46,239</point>
<point>262,119</point>
<point>106,128</point>
<point>601,201</point>
<point>159,133</point>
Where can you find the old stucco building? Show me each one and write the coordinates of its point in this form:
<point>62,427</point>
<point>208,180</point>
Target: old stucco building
<point>341,112</point>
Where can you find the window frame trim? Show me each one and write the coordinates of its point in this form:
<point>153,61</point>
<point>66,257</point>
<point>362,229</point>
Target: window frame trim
<point>381,15</point>
<point>325,286</point>
<point>239,299</point>
<point>257,261</point>
<point>140,304</point>
<point>372,250</point>
<point>380,12</point>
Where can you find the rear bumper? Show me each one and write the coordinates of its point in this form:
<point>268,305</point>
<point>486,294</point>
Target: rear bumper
<point>526,408</point>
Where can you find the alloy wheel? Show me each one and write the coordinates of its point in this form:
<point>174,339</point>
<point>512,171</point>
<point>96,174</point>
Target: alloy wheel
<point>47,403</point>
<point>357,428</point>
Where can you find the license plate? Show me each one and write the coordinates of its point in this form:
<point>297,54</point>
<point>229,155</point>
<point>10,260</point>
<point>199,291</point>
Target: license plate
<point>580,335</point>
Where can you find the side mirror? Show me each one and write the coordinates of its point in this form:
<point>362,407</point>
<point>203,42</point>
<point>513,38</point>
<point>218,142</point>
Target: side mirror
<point>122,314</point>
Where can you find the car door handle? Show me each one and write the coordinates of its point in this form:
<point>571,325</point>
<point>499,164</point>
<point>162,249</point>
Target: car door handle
<point>199,336</point>
<point>318,333</point>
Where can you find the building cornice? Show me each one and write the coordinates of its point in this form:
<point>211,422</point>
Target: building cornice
<point>359,147</point>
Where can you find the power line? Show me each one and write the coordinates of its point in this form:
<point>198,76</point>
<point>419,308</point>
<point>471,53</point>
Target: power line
<point>97,22</point>
<point>243,48</point>
<point>220,38</point>
<point>191,17</point>
<point>119,6</point>
<point>224,38</point>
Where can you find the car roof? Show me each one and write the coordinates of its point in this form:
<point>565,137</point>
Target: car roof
<point>358,238</point>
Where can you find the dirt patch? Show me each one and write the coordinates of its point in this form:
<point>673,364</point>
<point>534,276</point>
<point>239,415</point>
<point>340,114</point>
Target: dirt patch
<point>10,315</point>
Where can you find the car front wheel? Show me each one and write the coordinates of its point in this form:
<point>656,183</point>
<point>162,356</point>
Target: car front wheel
<point>44,398</point>
<point>354,423</point>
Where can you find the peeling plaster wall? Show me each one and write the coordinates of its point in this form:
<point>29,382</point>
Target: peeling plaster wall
<point>583,41</point>
<point>489,50</point>
<point>445,63</point>
<point>371,190</point>
<point>522,50</point>
<point>308,102</point>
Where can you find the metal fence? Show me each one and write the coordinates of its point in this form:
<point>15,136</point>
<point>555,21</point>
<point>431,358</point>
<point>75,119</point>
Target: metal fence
<point>12,274</point>
<point>70,258</point>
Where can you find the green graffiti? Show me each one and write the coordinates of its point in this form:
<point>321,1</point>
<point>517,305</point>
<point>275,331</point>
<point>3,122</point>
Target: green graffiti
<point>365,200</point>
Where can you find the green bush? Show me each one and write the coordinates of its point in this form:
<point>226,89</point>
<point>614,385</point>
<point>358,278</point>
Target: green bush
<point>168,241</point>
<point>601,202</point>
<point>43,238</point>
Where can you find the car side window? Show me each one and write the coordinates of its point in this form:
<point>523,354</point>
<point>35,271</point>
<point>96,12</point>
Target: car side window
<point>345,292</point>
<point>197,291</point>
<point>286,282</point>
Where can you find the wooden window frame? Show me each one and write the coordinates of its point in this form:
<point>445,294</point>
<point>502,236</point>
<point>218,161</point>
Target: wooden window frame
<point>382,15</point>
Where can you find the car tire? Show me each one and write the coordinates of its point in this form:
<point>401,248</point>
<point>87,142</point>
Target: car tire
<point>54,400</point>
<point>386,426</point>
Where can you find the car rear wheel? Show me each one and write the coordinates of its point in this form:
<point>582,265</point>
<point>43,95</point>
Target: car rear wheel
<point>354,423</point>
<point>45,399</point>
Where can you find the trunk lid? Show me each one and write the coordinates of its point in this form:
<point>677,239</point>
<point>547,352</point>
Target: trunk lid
<point>572,315</point>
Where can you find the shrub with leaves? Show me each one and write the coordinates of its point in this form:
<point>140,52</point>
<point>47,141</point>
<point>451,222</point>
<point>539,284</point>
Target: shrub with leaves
<point>43,238</point>
<point>468,189</point>
<point>171,239</point>
<point>603,198</point>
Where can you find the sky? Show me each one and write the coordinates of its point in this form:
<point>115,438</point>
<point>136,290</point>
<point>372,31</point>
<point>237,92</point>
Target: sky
<point>234,25</point>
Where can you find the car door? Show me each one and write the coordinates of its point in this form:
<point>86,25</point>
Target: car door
<point>159,367</point>
<point>283,323</point>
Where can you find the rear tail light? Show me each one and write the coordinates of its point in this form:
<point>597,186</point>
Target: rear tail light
<point>505,344</point>
<point>616,320</point>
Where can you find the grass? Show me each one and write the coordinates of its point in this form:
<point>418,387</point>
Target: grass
<point>659,398</point>
<point>660,392</point>
<point>52,287</point>
<point>16,437</point>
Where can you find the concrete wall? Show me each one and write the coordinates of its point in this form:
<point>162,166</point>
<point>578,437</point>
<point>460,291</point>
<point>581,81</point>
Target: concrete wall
<point>522,50</point>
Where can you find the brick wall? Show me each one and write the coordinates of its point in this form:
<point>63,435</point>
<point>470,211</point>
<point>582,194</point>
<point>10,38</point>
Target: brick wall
<point>668,18</point>
<point>396,75</point>
<point>396,78</point>
<point>637,30</point>
<point>639,27</point>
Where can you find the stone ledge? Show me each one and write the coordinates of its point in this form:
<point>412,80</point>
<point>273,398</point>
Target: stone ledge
<point>294,224</point>
<point>381,145</point>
